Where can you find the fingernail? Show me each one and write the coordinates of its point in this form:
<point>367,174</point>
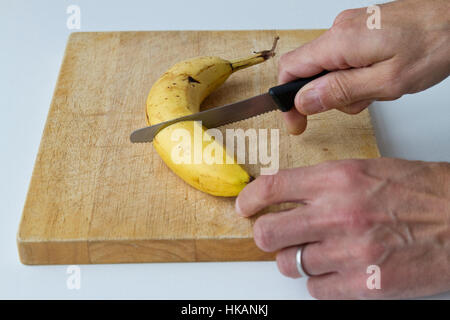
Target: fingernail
<point>310,102</point>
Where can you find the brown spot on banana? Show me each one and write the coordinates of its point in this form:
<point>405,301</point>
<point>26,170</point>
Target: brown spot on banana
<point>192,80</point>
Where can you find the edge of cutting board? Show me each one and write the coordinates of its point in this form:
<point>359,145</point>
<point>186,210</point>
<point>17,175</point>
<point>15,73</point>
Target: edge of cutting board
<point>139,251</point>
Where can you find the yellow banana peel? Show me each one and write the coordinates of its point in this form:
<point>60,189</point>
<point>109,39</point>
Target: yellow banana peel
<point>179,92</point>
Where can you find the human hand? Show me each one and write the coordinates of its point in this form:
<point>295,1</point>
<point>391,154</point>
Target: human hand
<point>410,53</point>
<point>386,212</point>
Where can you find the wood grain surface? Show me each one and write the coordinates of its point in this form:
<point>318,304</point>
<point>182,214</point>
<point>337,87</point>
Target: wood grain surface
<point>96,198</point>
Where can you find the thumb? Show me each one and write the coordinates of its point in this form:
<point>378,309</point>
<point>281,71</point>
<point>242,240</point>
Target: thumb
<point>348,90</point>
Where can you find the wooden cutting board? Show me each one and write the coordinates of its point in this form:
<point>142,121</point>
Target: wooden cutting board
<point>96,198</point>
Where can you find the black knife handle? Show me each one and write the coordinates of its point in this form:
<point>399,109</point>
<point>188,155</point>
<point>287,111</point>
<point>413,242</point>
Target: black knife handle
<point>284,94</point>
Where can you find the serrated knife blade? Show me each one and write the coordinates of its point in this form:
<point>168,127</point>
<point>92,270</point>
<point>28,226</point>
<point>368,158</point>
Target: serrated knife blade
<point>214,117</point>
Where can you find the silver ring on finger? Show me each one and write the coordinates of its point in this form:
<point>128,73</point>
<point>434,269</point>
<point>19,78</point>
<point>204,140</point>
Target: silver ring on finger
<point>298,260</point>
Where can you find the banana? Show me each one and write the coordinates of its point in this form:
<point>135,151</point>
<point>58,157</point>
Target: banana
<point>179,92</point>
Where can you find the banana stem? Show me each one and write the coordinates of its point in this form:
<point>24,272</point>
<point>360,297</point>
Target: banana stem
<point>257,57</point>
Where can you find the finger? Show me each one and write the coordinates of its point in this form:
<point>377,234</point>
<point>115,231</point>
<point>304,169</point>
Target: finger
<point>340,89</point>
<point>300,225</point>
<point>317,258</point>
<point>295,121</point>
<point>348,44</point>
<point>338,285</point>
<point>329,286</point>
<point>286,262</point>
<point>289,185</point>
<point>292,65</point>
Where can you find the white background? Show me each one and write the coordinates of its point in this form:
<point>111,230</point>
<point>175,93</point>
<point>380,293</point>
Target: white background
<point>33,36</point>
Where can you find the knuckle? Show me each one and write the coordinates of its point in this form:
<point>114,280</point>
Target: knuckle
<point>394,88</point>
<point>308,221</point>
<point>263,234</point>
<point>343,15</point>
<point>395,84</point>
<point>343,26</point>
<point>283,62</point>
<point>339,90</point>
<point>345,173</point>
<point>283,59</point>
<point>270,185</point>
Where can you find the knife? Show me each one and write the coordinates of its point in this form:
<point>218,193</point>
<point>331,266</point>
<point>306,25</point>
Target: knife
<point>280,97</point>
